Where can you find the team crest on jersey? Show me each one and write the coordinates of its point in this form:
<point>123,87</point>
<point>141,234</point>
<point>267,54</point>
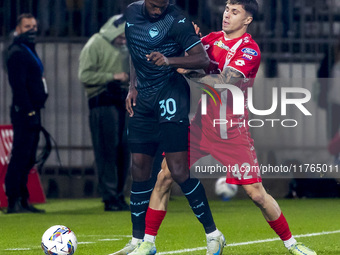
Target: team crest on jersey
<point>221,45</point>
<point>249,51</point>
<point>154,32</point>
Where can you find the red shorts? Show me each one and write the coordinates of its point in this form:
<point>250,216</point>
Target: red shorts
<point>237,155</point>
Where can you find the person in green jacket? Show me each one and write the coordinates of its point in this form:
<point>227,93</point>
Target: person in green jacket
<point>104,72</point>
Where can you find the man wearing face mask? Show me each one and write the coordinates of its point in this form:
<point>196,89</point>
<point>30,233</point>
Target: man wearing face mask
<point>25,74</point>
<point>103,70</point>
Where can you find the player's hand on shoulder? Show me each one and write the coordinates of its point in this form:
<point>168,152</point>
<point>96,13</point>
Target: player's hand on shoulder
<point>197,29</point>
<point>158,59</point>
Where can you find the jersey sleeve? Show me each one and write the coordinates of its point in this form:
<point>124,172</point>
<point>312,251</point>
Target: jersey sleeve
<point>205,39</point>
<point>210,37</point>
<point>246,60</point>
<point>183,33</point>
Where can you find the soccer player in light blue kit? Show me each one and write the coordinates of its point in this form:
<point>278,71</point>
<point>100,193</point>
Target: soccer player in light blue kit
<point>159,103</point>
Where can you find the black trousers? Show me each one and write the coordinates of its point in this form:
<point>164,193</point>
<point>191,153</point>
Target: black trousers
<point>108,133</point>
<point>25,145</point>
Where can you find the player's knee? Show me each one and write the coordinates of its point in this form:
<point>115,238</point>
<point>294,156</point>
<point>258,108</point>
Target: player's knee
<point>257,195</point>
<point>140,171</point>
<point>178,166</point>
<point>179,171</point>
<point>180,175</point>
<point>164,180</point>
<point>258,199</point>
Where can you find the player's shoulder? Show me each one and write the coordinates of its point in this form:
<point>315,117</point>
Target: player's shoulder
<point>177,15</point>
<point>137,4</point>
<point>212,37</point>
<point>249,46</point>
<point>134,8</point>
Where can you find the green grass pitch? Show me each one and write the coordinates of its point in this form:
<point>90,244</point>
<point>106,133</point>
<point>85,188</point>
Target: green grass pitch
<point>316,221</point>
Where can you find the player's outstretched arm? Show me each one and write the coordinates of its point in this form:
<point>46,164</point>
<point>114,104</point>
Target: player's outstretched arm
<point>197,58</point>
<point>228,76</point>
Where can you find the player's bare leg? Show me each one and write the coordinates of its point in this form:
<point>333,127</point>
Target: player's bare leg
<point>272,213</point>
<point>161,193</point>
<point>267,204</point>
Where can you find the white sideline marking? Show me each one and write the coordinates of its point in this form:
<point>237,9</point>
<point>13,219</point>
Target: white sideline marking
<point>107,239</point>
<point>105,236</point>
<point>202,248</point>
<point>250,242</point>
<point>18,249</point>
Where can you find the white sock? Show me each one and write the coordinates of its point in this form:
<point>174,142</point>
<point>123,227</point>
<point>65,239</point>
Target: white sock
<point>215,233</point>
<point>288,243</point>
<point>134,240</point>
<point>149,238</point>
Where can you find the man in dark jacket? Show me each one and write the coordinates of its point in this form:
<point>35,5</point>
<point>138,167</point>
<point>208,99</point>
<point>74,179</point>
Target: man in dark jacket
<point>25,74</point>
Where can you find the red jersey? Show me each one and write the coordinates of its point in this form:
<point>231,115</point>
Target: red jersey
<point>242,54</point>
<point>237,155</point>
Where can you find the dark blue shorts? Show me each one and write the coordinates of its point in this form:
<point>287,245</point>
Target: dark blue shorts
<point>169,105</point>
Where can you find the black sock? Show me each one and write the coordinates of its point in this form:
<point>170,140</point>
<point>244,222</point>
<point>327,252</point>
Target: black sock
<point>195,193</point>
<point>139,203</point>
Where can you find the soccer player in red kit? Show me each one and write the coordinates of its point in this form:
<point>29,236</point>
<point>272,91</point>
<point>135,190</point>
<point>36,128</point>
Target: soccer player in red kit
<point>234,59</point>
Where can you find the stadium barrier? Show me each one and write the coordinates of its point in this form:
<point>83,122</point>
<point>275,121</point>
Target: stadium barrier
<point>35,189</point>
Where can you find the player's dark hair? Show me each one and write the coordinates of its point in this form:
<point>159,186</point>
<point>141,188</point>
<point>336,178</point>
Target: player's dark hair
<point>250,6</point>
<point>24,16</point>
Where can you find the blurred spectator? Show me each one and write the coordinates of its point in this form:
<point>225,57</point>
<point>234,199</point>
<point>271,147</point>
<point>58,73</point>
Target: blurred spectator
<point>329,97</point>
<point>25,75</point>
<point>329,90</point>
<point>103,69</point>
